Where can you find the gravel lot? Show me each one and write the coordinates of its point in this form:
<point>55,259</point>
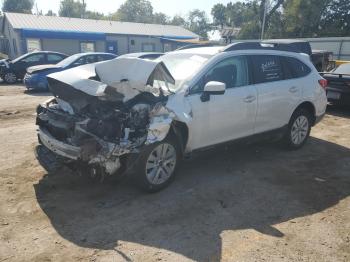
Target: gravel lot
<point>240,203</point>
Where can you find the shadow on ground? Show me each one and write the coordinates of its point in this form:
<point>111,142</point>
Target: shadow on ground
<point>241,187</point>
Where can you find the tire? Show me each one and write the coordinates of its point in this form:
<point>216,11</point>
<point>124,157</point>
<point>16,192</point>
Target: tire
<point>10,78</point>
<point>155,168</point>
<point>298,130</point>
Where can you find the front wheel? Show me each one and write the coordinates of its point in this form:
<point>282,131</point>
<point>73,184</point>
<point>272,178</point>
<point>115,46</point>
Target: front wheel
<point>157,165</point>
<point>10,78</point>
<point>299,128</point>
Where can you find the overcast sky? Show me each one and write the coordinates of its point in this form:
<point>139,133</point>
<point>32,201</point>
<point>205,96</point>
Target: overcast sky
<point>169,7</point>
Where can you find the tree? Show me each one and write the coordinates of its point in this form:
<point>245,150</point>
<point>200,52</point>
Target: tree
<point>18,6</point>
<point>94,15</point>
<point>274,5</point>
<point>178,20</point>
<point>160,18</point>
<point>286,18</point>
<point>50,13</point>
<point>71,8</point>
<point>198,23</point>
<point>218,12</point>
<point>140,11</point>
<point>303,18</point>
<point>336,20</point>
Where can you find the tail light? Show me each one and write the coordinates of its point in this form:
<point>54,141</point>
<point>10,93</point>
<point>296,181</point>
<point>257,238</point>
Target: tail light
<point>323,83</point>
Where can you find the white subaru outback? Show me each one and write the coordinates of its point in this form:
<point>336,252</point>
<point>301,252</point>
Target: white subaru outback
<point>137,116</point>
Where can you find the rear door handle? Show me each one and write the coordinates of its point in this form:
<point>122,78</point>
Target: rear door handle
<point>249,99</point>
<point>293,89</point>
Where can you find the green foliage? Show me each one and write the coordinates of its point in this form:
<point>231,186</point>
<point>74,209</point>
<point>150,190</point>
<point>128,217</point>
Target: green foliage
<point>303,17</point>
<point>250,30</point>
<point>336,20</point>
<point>198,23</point>
<point>140,11</point>
<point>239,12</point>
<point>218,12</point>
<point>178,20</point>
<point>160,18</point>
<point>94,15</point>
<point>18,6</point>
<point>71,8</point>
<point>316,18</point>
<point>286,18</point>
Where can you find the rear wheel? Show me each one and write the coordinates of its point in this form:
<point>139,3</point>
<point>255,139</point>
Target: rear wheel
<point>157,165</point>
<point>10,78</point>
<point>299,128</point>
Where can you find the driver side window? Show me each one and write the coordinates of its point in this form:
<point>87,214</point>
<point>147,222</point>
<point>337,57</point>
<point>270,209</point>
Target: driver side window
<point>232,71</point>
<point>80,61</point>
<point>34,58</point>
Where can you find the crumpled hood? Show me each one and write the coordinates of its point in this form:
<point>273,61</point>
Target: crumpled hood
<point>119,79</point>
<point>40,68</point>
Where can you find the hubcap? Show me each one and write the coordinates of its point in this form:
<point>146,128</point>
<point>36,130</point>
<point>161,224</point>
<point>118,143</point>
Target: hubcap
<point>10,77</point>
<point>161,163</point>
<point>299,130</point>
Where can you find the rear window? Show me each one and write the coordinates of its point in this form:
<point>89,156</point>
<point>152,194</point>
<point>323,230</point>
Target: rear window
<point>294,68</point>
<point>267,68</point>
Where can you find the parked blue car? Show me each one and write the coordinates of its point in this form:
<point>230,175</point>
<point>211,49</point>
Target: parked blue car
<point>35,79</point>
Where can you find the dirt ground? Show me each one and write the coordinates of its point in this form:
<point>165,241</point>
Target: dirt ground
<point>240,203</point>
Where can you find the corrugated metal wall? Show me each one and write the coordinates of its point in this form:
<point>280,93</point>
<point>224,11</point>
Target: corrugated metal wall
<point>340,46</point>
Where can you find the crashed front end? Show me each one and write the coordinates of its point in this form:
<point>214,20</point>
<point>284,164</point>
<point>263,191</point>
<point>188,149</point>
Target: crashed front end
<point>104,112</point>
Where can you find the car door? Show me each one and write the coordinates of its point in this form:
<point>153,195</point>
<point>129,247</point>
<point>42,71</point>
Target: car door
<point>228,116</point>
<point>277,95</point>
<point>30,60</point>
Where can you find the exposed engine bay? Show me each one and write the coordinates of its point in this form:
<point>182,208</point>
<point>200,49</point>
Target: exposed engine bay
<point>98,115</point>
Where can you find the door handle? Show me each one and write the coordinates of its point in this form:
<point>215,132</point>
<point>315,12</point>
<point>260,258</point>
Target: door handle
<point>249,99</point>
<point>293,89</point>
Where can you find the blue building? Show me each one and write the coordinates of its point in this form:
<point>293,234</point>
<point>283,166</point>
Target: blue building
<point>25,33</point>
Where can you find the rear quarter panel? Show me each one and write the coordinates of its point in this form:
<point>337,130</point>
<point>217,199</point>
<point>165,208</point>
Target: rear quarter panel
<point>314,93</point>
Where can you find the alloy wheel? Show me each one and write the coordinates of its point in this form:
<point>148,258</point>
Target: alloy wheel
<point>10,78</point>
<point>300,129</point>
<point>161,163</point>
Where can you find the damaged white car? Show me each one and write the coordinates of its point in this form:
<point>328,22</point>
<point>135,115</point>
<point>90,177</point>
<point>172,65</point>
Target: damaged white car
<point>131,115</point>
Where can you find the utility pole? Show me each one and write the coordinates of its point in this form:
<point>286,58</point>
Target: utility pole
<point>264,20</point>
<point>83,11</point>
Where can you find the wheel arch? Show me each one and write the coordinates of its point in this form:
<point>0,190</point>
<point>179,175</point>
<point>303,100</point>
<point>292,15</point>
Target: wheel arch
<point>309,106</point>
<point>180,131</point>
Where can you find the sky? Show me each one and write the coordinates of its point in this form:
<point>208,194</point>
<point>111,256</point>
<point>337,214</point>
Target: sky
<point>169,7</point>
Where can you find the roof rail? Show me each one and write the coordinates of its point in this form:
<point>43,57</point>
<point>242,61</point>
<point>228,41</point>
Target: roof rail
<point>290,47</point>
<point>195,46</point>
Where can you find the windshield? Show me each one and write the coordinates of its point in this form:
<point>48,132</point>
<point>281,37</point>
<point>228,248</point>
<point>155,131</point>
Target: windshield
<point>20,57</point>
<point>183,65</point>
<point>68,61</point>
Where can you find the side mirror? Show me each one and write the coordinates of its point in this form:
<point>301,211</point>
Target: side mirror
<point>212,88</point>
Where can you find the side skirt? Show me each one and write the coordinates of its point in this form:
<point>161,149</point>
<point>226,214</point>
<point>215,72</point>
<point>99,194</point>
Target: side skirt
<point>272,135</point>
